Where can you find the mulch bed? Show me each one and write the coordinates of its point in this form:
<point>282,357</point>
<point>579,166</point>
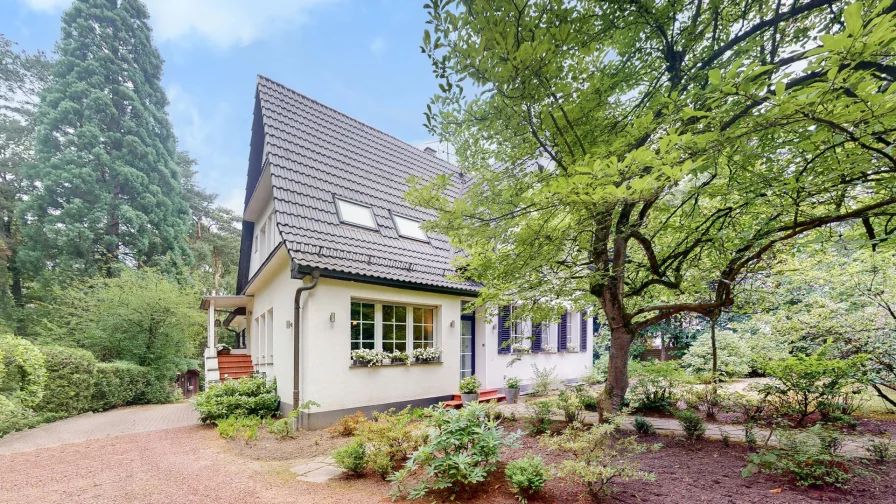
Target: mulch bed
<point>686,473</point>
<point>302,445</point>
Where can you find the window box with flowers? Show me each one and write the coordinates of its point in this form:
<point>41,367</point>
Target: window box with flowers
<point>572,349</point>
<point>548,349</point>
<point>369,358</point>
<point>427,355</point>
<point>520,348</point>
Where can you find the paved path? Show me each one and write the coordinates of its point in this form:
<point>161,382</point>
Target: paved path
<point>115,422</point>
<point>852,445</point>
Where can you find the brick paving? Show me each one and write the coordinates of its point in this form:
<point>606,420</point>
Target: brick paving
<point>117,422</point>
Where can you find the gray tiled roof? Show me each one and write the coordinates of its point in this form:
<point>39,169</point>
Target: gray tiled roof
<point>315,154</point>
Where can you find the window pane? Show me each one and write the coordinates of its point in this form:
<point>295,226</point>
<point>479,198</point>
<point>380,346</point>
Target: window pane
<point>356,345</point>
<point>401,314</point>
<point>401,332</point>
<point>355,214</point>
<point>427,333</point>
<point>388,347</point>
<point>367,312</point>
<point>401,345</point>
<point>368,345</point>
<point>409,228</point>
<point>388,313</point>
<point>367,331</point>
<point>356,330</point>
<point>427,315</point>
<point>388,332</point>
<point>356,311</point>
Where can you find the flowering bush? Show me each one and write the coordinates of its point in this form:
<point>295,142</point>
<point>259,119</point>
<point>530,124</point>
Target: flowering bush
<point>426,354</point>
<point>470,385</point>
<point>370,357</point>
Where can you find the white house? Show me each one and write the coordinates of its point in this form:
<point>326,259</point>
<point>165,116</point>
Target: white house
<point>333,259</point>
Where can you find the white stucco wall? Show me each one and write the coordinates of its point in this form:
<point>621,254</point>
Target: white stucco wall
<point>492,368</point>
<point>326,373</point>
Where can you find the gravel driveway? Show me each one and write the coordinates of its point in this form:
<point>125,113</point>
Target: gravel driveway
<point>183,465</point>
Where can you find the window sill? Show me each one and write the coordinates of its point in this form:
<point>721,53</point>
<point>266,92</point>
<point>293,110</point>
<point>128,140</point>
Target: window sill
<point>402,364</point>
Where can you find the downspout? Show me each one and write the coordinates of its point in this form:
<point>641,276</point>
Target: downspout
<point>297,330</point>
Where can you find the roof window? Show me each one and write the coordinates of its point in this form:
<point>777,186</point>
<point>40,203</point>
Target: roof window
<point>355,214</point>
<point>409,228</point>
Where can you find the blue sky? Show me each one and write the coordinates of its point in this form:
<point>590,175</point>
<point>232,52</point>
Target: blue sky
<point>361,57</point>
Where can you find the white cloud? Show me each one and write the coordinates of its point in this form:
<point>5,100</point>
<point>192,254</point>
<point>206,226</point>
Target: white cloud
<point>378,46</point>
<point>233,200</point>
<point>221,23</point>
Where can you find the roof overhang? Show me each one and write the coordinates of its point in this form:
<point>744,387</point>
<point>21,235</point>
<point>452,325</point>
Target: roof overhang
<point>225,302</point>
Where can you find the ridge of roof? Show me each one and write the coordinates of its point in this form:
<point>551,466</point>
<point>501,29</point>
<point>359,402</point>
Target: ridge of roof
<point>453,167</point>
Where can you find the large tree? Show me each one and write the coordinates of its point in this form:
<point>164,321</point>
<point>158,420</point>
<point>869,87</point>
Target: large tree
<point>22,76</point>
<point>109,188</point>
<point>647,156</point>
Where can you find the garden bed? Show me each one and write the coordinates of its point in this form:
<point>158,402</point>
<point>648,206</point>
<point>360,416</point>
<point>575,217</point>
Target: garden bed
<point>300,445</point>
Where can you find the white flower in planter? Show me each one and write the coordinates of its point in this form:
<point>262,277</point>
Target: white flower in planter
<point>520,348</point>
<point>549,349</point>
<point>426,354</point>
<point>369,357</point>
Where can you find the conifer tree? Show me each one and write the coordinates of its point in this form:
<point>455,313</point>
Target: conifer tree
<point>109,188</point>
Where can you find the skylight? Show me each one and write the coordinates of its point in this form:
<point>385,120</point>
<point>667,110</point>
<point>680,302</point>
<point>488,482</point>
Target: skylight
<point>409,228</point>
<point>353,213</point>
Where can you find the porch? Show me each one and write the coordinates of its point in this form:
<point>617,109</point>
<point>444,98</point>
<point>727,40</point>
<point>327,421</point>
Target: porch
<point>235,362</point>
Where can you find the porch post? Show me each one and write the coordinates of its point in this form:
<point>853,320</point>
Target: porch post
<point>211,328</point>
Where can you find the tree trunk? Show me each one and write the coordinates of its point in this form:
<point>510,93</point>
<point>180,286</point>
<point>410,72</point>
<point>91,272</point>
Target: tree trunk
<point>662,347</point>
<point>715,354</point>
<point>617,372</point>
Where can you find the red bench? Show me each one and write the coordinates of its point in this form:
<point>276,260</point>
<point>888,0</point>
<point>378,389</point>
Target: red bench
<point>485,395</point>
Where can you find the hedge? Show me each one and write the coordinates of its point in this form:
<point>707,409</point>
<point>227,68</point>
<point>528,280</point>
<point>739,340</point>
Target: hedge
<point>118,384</point>
<point>69,385</point>
<point>243,397</point>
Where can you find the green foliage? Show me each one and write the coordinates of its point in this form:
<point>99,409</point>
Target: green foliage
<point>808,457</point>
<point>470,385</point>
<point>571,403</point>
<point>526,476</point>
<point>390,438</point>
<point>14,417</point>
<point>692,424</point>
<point>245,397</point>
<point>643,426</point>
<point>351,457</point>
<point>140,317</point>
<point>664,187</point>
<point>70,377</point>
<point>107,188</point>
<point>463,449</point>
<point>880,450</point>
<point>804,383</point>
<point>540,416</point>
<point>543,380</point>
<point>22,371</point>
<point>285,426</point>
<point>118,384</point>
<point>732,353</point>
<point>657,386</point>
<point>512,383</point>
<point>596,456</point>
<point>245,427</point>
<point>711,399</point>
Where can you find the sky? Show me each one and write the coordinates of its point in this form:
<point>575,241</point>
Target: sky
<point>361,57</point>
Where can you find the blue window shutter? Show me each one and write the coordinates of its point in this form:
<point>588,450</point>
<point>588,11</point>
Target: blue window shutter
<point>563,332</point>
<point>536,337</point>
<point>583,333</point>
<point>503,330</point>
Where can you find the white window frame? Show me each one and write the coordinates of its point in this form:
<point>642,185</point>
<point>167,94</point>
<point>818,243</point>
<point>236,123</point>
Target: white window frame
<point>270,335</point>
<point>362,321</point>
<point>394,324</point>
<point>518,331</point>
<point>343,219</point>
<point>396,221</point>
<point>409,323</point>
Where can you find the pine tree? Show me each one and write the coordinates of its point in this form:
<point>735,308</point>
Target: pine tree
<point>109,188</point>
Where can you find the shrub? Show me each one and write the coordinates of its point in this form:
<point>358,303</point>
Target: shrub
<point>710,399</point>
<point>285,427</point>
<point>351,457</point>
<point>14,417</point>
<point>880,451</point>
<point>245,427</point>
<point>752,409</point>
<point>244,397</point>
<point>804,383</point>
<point>589,402</point>
<point>23,372</point>
<point>470,385</point>
<point>540,418</point>
<point>732,354</point>
<point>463,448</point>
<point>69,385</point>
<point>693,426</point>
<point>390,438</point>
<point>526,476</point>
<point>643,426</point>
<point>807,457</point>
<point>349,425</point>
<point>118,384</point>
<point>512,383</point>
<point>596,457</point>
<point>656,386</point>
<point>543,379</point>
<point>570,404</point>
